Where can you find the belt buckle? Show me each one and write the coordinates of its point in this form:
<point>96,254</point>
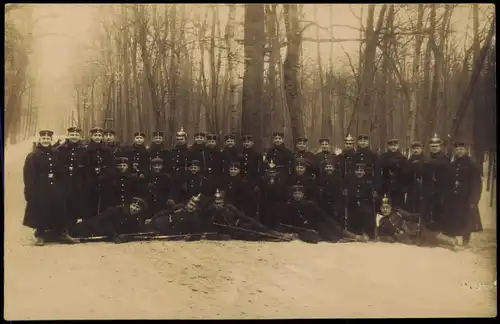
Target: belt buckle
<point>50,175</point>
<point>97,169</point>
<point>70,168</point>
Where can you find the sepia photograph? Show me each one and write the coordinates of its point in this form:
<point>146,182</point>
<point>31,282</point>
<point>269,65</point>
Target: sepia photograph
<point>249,161</point>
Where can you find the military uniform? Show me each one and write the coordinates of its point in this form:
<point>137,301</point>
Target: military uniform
<point>159,151</point>
<point>311,189</point>
<point>122,186</point>
<point>179,157</point>
<point>369,158</point>
<point>44,175</point>
<point>180,222</point>
<point>331,186</point>
<point>213,157</point>
<point>413,181</point>
<point>345,161</point>
<point>461,214</point>
<point>159,188</point>
<point>281,156</point>
<point>251,163</point>
<point>392,165</point>
<point>273,193</point>
<point>192,184</point>
<point>228,155</point>
<point>138,157</point>
<point>324,155</point>
<point>100,162</point>
<point>198,152</point>
<point>114,146</point>
<point>72,157</point>
<point>239,192</point>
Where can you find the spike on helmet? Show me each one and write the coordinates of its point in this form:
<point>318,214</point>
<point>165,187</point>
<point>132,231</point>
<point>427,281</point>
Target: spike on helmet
<point>435,137</point>
<point>219,194</point>
<point>271,164</point>
<point>349,138</point>
<point>181,132</point>
<point>385,200</point>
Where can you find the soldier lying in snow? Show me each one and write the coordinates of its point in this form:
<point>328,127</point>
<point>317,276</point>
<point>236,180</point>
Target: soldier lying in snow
<point>397,225</point>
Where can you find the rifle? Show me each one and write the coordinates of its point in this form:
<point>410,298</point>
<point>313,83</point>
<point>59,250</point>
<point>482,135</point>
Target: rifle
<point>253,232</point>
<point>346,209</point>
<point>305,234</point>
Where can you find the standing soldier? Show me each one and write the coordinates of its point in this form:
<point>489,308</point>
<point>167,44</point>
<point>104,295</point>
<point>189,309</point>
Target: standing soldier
<point>280,155</point>
<point>122,185</point>
<point>331,185</point>
<point>229,153</point>
<point>392,164</point>
<point>43,174</point>
<point>251,161</point>
<point>138,155</point>
<point>361,194</point>
<point>435,182</point>
<point>413,179</point>
<point>238,190</point>
<point>345,161</point>
<point>301,177</point>
<point>273,194</point>
<point>193,183</point>
<point>461,216</point>
<point>159,190</point>
<point>178,155</point>
<point>213,156</point>
<point>302,152</point>
<point>72,157</point>
<point>109,139</point>
<point>197,151</point>
<point>99,162</point>
<point>325,154</point>
<point>367,157</point>
<point>158,149</point>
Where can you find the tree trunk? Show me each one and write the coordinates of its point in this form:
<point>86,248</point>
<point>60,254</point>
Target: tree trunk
<point>232,56</point>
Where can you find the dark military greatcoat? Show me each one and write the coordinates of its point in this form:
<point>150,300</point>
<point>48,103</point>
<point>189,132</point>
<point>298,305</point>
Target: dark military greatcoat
<point>198,152</point>
<point>213,157</point>
<point>345,163</point>
<point>251,165</point>
<point>121,188</point>
<point>331,196</point>
<point>178,159</point>
<point>392,165</point>
<point>435,186</point>
<point>282,157</point>
<point>314,168</point>
<point>159,189</point>
<point>361,205</point>
<point>273,193</point>
<point>138,158</point>
<point>239,192</point>
<point>228,155</point>
<point>413,182</point>
<point>160,151</point>
<point>371,161</point>
<point>44,179</point>
<point>310,186</point>
<point>322,157</point>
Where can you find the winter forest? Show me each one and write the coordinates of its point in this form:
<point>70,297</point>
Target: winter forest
<point>402,71</point>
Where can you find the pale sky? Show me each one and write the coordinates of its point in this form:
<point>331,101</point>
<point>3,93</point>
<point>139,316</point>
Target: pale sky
<point>57,51</point>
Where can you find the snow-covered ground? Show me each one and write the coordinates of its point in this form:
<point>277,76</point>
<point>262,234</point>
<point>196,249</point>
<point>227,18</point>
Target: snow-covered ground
<point>158,280</point>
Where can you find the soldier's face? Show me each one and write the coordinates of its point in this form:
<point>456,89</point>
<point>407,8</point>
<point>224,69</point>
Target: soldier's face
<point>135,208</point>
<point>74,137</point>
<point>190,206</point>
<point>109,138</point>
<point>277,140</point>
<point>298,195</point>
<point>218,204</point>
<point>416,150</point>
<point>385,209</point>
<point>329,169</point>
<point>157,167</point>
<point>301,146</point>
<point>139,140</point>
<point>230,142</point>
<point>45,141</point>
<point>359,173</point>
<point>435,148</point>
<point>460,151</point>
<point>363,143</point>
<point>300,169</point>
<point>157,139</point>
<point>233,171</point>
<point>194,169</point>
<point>199,140</point>
<point>181,140</point>
<point>96,137</point>
<point>247,144</point>
<point>325,146</point>
<point>393,147</point>
<point>123,167</point>
<point>349,145</point>
<point>211,143</point>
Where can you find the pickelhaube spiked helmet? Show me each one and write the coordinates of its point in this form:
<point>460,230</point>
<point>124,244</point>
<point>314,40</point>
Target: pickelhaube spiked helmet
<point>271,165</point>
<point>385,200</point>
<point>219,194</point>
<point>435,139</point>
<point>181,132</point>
<point>195,199</point>
<point>349,138</point>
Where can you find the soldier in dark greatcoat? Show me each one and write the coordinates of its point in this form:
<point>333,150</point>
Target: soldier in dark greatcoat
<point>362,205</point>
<point>413,179</point>
<point>392,165</point>
<point>273,193</point>
<point>325,154</point>
<point>99,162</point>
<point>435,182</point>
<point>301,177</point>
<point>115,221</point>
<point>43,176</point>
<point>160,190</point>
<point>345,161</point>
<point>178,155</point>
<point>197,151</point>
<point>301,216</point>
<point>331,185</point>
<point>109,139</point>
<point>301,152</point>
<point>280,155</point>
<point>239,191</point>
<point>229,153</point>
<point>157,149</point>
<point>193,184</point>
<point>251,161</point>
<point>463,179</point>
<point>138,156</point>
<point>367,157</point>
<point>71,155</point>
<point>122,185</point>
<point>213,156</point>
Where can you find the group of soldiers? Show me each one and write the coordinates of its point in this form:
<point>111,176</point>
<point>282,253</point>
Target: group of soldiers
<point>76,189</point>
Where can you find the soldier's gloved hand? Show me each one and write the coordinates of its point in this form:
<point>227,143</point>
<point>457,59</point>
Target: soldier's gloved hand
<point>79,220</point>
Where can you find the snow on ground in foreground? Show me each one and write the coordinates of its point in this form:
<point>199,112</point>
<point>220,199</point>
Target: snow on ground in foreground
<point>158,280</point>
